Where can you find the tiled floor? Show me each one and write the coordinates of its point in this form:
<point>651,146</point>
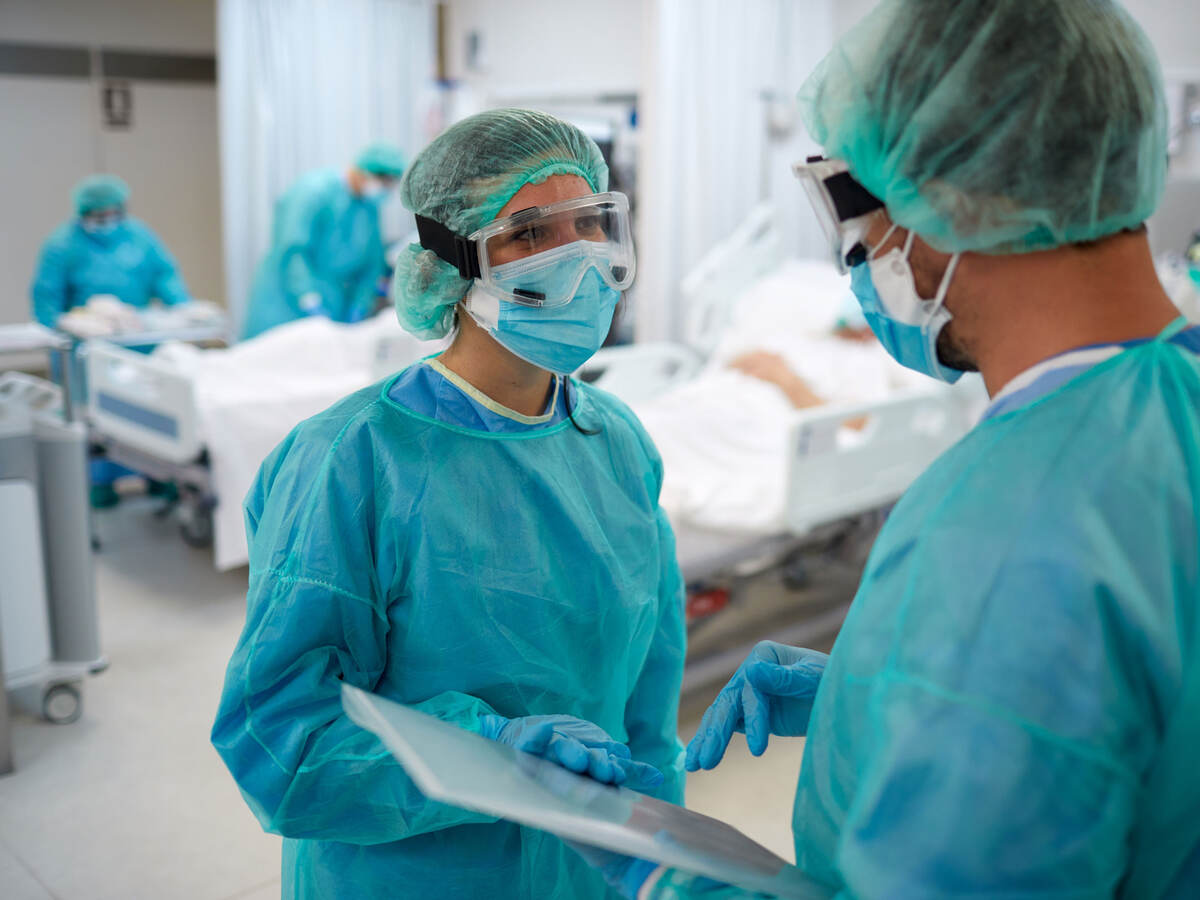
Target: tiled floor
<point>132,802</point>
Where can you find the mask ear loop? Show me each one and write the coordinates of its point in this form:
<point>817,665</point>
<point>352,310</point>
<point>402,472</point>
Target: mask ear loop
<point>883,241</point>
<point>939,299</point>
<point>944,288</point>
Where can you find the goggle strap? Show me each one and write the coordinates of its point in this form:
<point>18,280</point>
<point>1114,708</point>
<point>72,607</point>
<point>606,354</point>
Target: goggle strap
<point>449,246</point>
<point>850,199</point>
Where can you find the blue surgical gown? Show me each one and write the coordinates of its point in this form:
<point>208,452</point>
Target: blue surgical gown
<point>130,263</point>
<point>464,570</point>
<point>325,242</point>
<point>1012,707</point>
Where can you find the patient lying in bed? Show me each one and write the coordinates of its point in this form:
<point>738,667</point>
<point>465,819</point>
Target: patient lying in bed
<point>723,435</point>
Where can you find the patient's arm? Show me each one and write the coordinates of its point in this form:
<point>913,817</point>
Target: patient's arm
<point>861,335</point>
<point>772,367</point>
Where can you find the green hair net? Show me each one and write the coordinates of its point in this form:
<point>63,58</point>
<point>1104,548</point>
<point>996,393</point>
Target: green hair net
<point>462,179</point>
<point>1000,126</point>
<point>381,159</point>
<point>99,192</point>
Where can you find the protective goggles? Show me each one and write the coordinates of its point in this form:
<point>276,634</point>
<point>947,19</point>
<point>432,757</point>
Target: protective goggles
<point>104,218</point>
<point>539,256</point>
<point>842,206</point>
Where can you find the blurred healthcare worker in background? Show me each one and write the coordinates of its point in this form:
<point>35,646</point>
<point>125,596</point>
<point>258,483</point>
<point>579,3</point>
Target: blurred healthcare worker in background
<point>1012,707</point>
<point>478,536</point>
<point>102,251</point>
<point>326,251</point>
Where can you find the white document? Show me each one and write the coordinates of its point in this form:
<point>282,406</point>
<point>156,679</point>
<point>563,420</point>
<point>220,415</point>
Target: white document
<point>455,766</point>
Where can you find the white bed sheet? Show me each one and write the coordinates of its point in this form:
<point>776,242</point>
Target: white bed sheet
<point>251,395</point>
<point>723,436</point>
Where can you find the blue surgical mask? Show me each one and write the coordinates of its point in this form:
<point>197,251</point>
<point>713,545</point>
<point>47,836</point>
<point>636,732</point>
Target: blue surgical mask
<point>373,191</point>
<point>558,339</point>
<point>906,325</point>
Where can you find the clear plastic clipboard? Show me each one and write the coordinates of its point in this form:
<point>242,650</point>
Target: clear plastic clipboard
<point>457,767</point>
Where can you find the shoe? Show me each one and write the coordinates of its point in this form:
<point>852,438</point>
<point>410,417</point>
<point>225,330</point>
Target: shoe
<point>164,489</point>
<point>104,496</point>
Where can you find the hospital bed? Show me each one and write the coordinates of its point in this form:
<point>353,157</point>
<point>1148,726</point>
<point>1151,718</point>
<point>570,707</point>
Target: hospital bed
<point>149,412</point>
<point>205,420</point>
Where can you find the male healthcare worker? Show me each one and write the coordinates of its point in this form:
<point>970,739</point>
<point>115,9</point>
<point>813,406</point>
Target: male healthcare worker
<point>326,255</point>
<point>102,251</point>
<point>1012,708</point>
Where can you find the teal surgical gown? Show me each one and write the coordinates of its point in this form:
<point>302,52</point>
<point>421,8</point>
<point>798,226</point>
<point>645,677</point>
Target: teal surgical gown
<point>325,243</point>
<point>130,263</point>
<point>465,570</point>
<point>1012,707</point>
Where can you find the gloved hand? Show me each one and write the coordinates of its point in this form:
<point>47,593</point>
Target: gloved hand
<point>771,693</point>
<point>625,874</point>
<point>309,302</point>
<point>574,744</point>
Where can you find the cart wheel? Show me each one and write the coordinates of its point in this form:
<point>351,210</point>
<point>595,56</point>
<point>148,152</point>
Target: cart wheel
<point>795,574</point>
<point>196,525</point>
<point>62,704</point>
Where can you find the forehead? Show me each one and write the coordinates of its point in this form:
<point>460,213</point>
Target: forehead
<point>553,190</point>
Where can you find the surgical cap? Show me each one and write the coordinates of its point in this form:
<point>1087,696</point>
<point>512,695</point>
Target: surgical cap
<point>99,192</point>
<point>1000,126</point>
<point>462,179</point>
<point>381,159</point>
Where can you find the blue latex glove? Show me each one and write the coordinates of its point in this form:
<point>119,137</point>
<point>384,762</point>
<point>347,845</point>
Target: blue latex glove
<point>574,744</point>
<point>771,693</point>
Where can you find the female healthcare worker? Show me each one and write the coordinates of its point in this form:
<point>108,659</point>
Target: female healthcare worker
<point>478,536</point>
<point>103,251</point>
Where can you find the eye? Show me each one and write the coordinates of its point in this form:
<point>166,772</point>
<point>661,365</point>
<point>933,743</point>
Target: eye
<point>530,236</point>
<point>590,225</point>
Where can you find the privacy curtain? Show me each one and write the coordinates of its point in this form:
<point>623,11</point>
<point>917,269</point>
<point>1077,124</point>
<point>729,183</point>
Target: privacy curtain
<point>719,135</point>
<point>305,84</point>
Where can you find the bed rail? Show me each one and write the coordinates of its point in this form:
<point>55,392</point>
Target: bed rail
<point>142,402</point>
<point>846,460</point>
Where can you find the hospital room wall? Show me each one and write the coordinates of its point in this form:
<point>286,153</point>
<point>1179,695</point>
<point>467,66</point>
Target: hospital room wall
<point>527,45</point>
<point>1172,25</point>
<point>54,136</point>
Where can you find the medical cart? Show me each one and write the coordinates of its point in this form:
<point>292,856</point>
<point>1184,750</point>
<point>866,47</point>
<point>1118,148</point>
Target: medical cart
<point>49,632</point>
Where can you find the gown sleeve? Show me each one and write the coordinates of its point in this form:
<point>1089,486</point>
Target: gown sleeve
<point>316,617</point>
<point>296,226</point>
<point>49,289</point>
<point>652,712</point>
